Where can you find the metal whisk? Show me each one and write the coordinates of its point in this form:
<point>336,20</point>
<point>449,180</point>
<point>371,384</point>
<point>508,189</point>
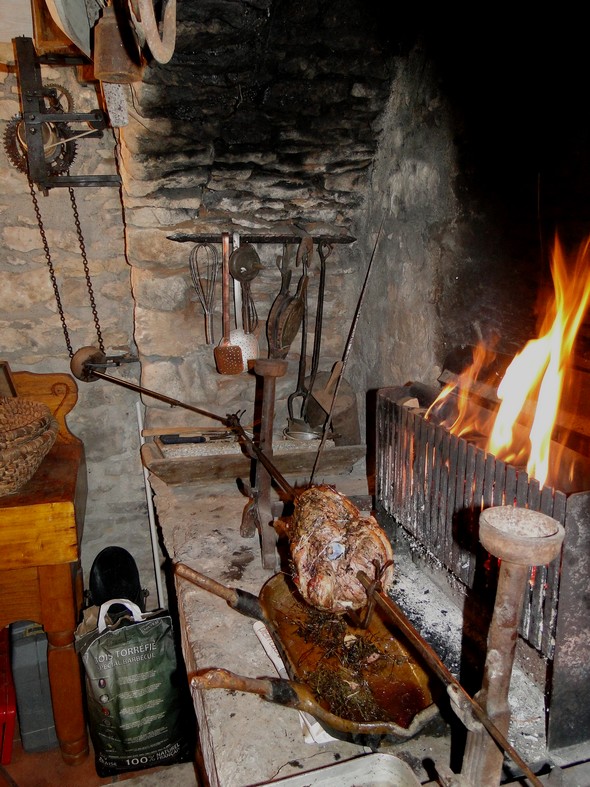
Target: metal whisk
<point>204,267</point>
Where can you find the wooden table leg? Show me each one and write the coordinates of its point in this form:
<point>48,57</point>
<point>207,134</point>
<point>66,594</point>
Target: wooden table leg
<point>57,593</point>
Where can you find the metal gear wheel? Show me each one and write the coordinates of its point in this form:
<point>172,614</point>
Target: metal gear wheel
<point>59,153</point>
<point>58,98</point>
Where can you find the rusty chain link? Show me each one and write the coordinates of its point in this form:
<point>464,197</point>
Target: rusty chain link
<point>86,269</point>
<point>51,269</point>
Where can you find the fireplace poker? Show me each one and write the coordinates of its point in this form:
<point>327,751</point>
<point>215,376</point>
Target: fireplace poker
<point>434,662</point>
<point>345,354</point>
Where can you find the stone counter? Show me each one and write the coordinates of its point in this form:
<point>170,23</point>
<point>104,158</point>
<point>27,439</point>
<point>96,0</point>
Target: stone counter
<point>245,741</point>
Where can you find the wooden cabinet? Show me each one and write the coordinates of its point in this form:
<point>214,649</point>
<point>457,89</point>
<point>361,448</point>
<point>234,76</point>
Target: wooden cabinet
<point>40,573</point>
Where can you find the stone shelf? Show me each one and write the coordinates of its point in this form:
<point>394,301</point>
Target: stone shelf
<point>293,459</point>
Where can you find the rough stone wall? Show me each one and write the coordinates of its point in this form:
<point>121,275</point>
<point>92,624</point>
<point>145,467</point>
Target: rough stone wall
<point>275,135</point>
<point>411,214</point>
<point>339,142</point>
<point>31,336</point>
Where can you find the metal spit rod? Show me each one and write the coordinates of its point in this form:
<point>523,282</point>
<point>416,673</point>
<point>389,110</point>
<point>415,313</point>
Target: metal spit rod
<point>433,661</point>
<point>84,366</point>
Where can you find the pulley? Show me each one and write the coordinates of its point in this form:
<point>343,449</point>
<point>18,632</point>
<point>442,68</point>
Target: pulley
<point>40,144</point>
<point>88,360</point>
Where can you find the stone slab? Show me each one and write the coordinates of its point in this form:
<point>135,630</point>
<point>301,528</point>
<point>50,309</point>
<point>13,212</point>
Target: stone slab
<point>244,740</point>
<point>189,468</point>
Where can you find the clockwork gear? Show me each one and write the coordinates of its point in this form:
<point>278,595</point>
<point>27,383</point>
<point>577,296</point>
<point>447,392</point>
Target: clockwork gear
<point>58,147</point>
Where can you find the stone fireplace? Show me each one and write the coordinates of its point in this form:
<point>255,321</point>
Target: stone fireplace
<point>437,150</point>
<point>448,152</point>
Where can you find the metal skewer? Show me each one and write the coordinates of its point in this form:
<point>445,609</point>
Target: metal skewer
<point>85,366</point>
<point>433,661</point>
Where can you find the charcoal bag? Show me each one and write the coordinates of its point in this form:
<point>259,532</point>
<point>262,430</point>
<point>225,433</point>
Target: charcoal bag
<point>133,689</point>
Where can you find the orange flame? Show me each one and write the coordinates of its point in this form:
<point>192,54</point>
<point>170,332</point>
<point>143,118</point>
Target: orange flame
<point>531,389</point>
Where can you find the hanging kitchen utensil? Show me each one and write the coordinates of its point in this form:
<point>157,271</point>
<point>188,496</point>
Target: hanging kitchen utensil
<point>395,685</point>
<point>244,262</point>
<point>228,356</point>
<point>277,305</point>
<point>297,426</point>
<point>203,265</point>
<point>248,342</point>
<point>289,319</point>
<point>324,251</point>
<point>249,313</point>
<point>293,309</point>
<point>244,266</point>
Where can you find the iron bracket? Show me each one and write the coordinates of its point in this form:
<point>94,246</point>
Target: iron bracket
<point>35,113</point>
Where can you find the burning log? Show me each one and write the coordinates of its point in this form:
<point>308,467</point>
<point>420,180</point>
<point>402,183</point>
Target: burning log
<point>331,541</point>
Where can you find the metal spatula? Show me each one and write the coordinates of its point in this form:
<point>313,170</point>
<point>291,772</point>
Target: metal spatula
<point>228,356</point>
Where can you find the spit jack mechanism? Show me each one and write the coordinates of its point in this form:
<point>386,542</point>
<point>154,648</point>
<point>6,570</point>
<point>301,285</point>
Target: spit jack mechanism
<point>86,365</point>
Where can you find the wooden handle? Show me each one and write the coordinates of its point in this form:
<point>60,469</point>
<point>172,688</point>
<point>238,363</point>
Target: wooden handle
<point>224,679</point>
<point>225,285</point>
<point>205,582</point>
<point>333,379</point>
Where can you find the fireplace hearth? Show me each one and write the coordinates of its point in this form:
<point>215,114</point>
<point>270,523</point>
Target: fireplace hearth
<point>431,487</point>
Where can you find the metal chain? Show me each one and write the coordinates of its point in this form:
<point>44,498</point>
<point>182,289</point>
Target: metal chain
<point>86,270</point>
<point>53,277</point>
<point>51,268</point>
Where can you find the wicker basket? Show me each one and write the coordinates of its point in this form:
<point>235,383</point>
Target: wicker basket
<point>27,432</point>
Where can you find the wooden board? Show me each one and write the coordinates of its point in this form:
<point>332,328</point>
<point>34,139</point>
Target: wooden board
<point>187,469</point>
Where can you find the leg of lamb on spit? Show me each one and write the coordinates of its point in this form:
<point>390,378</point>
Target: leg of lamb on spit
<point>330,542</point>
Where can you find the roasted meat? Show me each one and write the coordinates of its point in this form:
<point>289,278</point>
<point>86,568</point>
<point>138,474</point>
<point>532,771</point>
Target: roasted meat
<point>330,542</point>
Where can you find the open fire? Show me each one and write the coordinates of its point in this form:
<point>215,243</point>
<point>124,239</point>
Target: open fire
<point>519,428</point>
<point>442,460</point>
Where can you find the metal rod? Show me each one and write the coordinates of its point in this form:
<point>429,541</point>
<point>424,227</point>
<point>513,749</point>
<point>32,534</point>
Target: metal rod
<point>151,516</point>
<point>155,395</point>
<point>433,661</point>
<point>192,237</point>
<point>232,421</point>
<point>346,353</point>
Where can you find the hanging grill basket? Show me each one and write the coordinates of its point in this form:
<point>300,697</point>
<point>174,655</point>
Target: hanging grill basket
<point>27,432</point>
